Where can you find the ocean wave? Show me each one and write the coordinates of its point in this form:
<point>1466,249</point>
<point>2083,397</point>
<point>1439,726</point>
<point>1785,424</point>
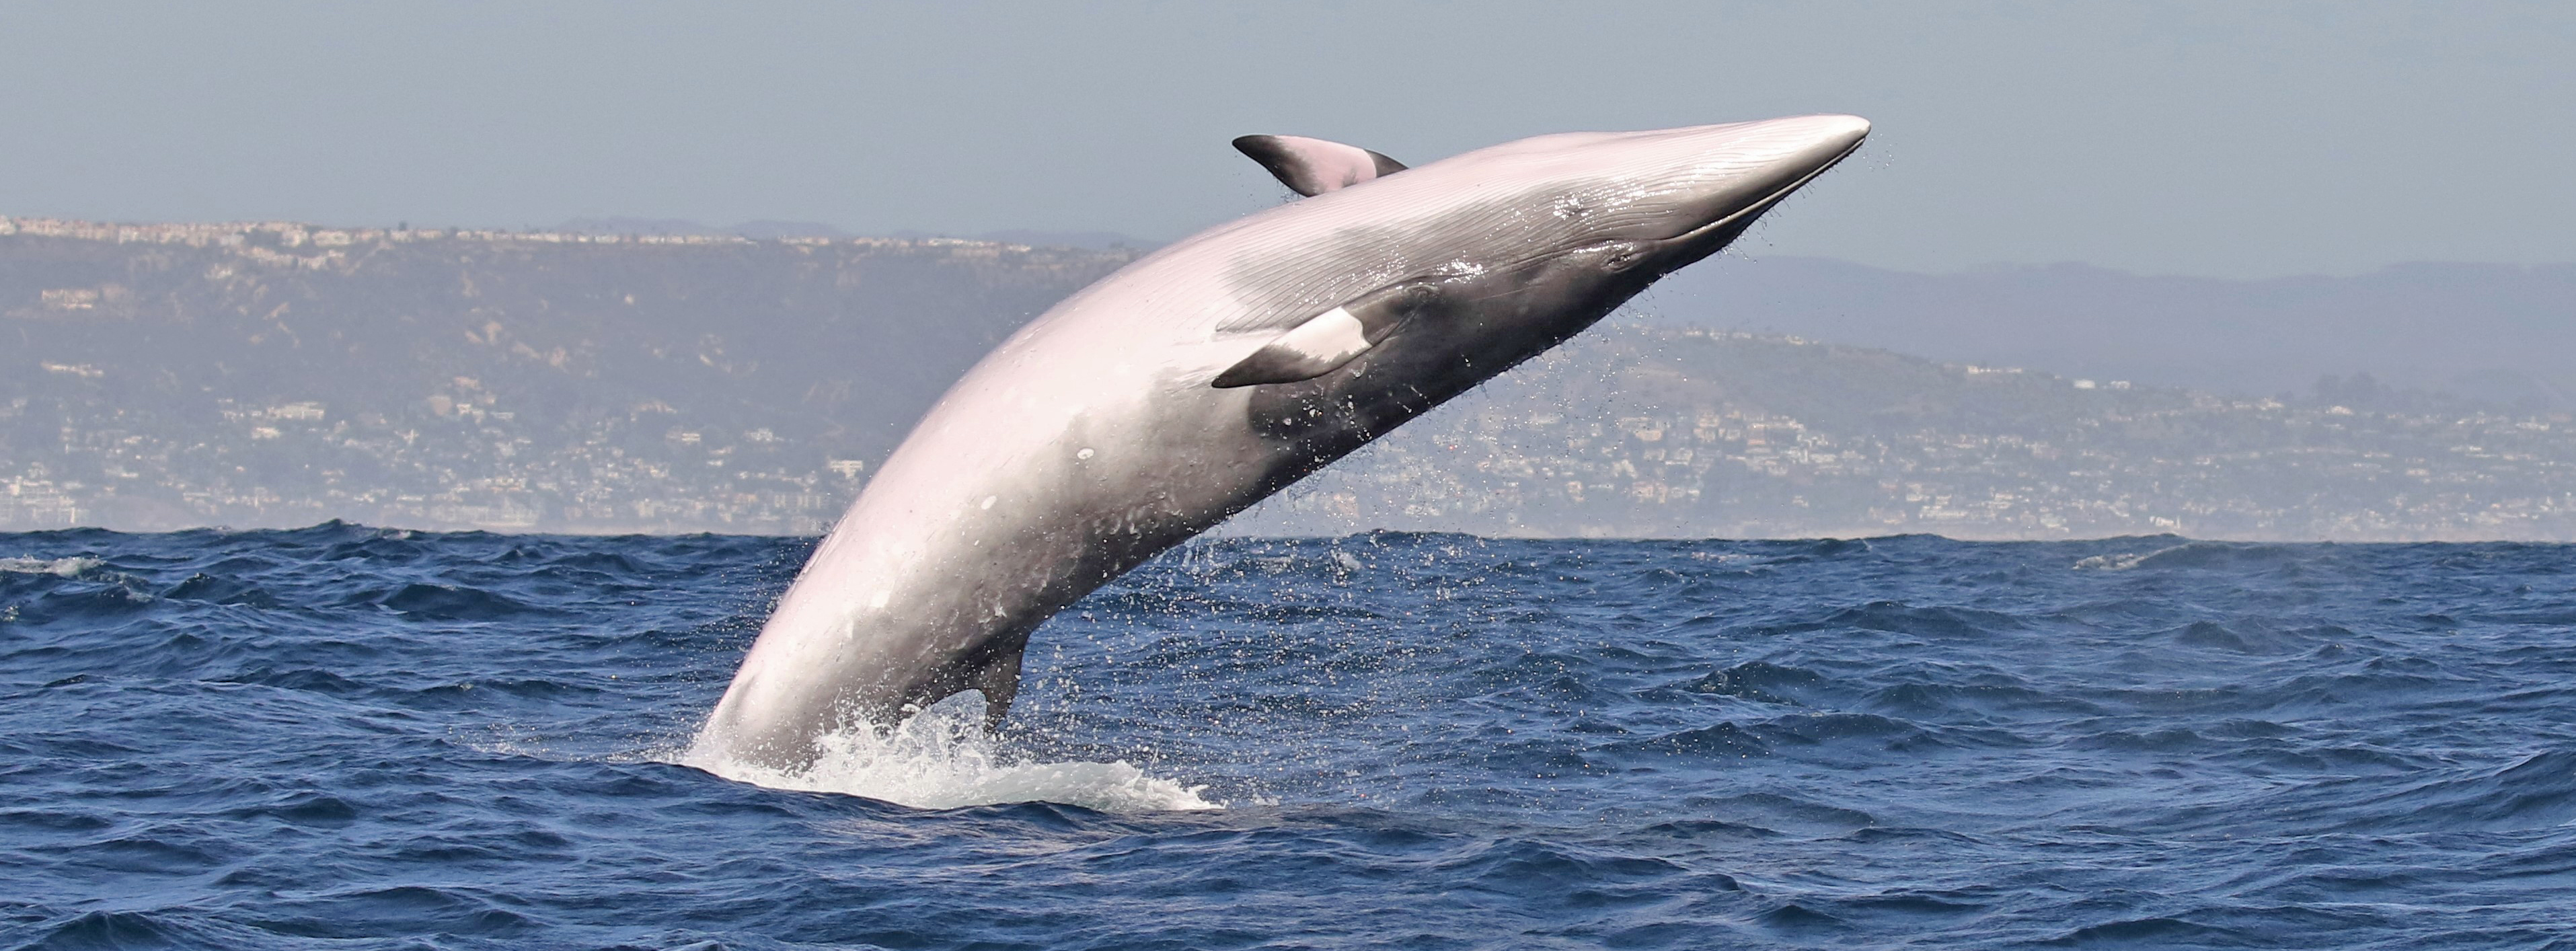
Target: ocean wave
<point>2196,555</point>
<point>343,735</point>
<point>72,567</point>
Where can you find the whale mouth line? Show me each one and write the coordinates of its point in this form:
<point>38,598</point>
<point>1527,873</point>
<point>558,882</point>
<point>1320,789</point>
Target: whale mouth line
<point>1758,206</point>
<point>1686,237</point>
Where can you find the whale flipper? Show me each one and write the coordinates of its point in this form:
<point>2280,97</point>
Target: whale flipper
<point>1312,167</point>
<point>1325,342</point>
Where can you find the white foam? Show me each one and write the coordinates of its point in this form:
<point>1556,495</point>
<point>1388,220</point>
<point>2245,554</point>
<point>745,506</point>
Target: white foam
<point>60,567</point>
<point>942,758</point>
<point>2122,562</point>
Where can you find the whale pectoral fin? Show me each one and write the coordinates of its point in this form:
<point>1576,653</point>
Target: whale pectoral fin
<point>1325,341</point>
<point>999,681</point>
<point>1313,166</point>
<point>1319,346</point>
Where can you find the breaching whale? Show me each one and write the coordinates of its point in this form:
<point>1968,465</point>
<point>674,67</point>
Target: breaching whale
<point>1207,375</point>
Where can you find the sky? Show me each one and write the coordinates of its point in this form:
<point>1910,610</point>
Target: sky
<point>2212,139</point>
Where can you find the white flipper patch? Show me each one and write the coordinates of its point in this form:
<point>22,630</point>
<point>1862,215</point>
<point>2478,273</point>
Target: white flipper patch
<point>1309,350</point>
<point>1329,340</point>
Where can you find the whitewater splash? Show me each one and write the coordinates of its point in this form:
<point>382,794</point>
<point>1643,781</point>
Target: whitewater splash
<point>2190,554</point>
<point>942,758</point>
<point>58,567</point>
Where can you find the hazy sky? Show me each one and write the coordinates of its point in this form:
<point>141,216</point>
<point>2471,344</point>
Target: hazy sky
<point>2202,138</point>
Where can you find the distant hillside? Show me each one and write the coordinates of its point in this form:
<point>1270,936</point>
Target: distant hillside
<point>790,335</point>
<point>1637,431</point>
<point>2496,333</point>
<point>467,348</point>
<point>773,230</point>
<point>280,374</point>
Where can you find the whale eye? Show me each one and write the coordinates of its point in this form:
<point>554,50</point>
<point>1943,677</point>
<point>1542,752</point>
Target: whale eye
<point>1620,256</point>
<point>1420,294</point>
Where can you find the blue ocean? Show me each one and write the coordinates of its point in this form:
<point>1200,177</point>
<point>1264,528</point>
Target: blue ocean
<point>348,737</point>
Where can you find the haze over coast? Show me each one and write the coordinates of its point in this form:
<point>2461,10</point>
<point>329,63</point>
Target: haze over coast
<point>683,378</point>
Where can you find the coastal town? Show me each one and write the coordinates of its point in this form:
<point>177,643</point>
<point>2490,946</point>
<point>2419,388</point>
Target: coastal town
<point>275,374</point>
<point>468,459</point>
<point>2110,459</point>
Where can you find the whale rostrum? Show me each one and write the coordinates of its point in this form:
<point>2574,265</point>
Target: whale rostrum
<point>1210,374</point>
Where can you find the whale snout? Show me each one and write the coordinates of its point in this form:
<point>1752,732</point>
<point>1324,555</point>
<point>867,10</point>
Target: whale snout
<point>1748,162</point>
<point>1789,139</point>
<point>1712,181</point>
<point>1827,140</point>
<point>1840,132</point>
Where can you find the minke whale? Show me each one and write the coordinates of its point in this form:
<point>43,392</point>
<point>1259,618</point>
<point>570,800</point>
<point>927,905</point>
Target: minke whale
<point>1207,375</point>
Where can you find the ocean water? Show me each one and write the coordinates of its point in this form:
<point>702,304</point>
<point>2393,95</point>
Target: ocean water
<point>345,737</point>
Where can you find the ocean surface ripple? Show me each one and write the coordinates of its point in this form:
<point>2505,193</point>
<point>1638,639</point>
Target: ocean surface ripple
<point>348,737</point>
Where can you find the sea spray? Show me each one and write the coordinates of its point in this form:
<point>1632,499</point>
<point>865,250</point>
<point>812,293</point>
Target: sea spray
<point>942,758</point>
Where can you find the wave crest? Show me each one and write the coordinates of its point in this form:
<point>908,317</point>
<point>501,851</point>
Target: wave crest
<point>58,567</point>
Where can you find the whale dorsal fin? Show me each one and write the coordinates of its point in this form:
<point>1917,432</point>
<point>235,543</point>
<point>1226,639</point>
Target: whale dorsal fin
<point>1325,342</point>
<point>1313,166</point>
